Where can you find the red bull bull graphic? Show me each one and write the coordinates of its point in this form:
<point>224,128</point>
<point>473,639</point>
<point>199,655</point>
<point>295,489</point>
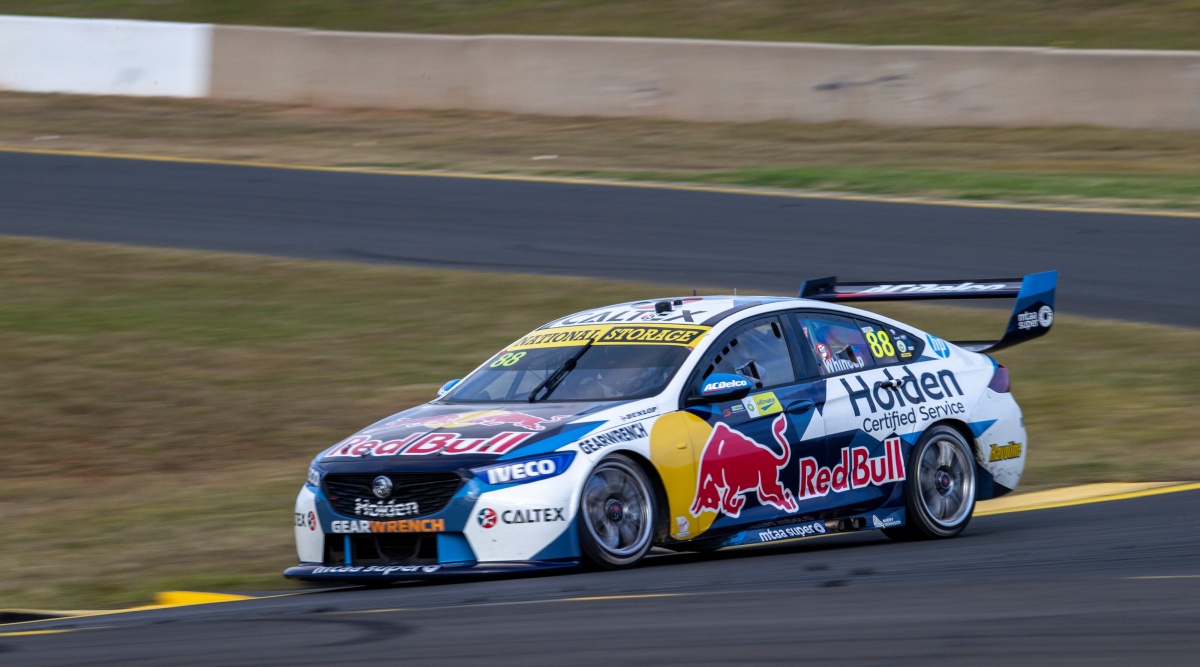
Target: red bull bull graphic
<point>484,418</point>
<point>856,470</point>
<point>732,465</point>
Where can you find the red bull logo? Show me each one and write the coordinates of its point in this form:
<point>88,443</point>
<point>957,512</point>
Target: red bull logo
<point>484,418</point>
<point>418,444</point>
<point>732,465</point>
<point>857,469</point>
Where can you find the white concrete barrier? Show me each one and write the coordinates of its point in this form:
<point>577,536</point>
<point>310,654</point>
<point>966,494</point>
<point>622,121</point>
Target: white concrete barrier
<point>104,57</point>
<point>701,80</point>
<point>680,79</point>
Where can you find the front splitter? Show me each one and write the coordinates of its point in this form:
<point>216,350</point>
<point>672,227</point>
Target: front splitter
<point>377,573</point>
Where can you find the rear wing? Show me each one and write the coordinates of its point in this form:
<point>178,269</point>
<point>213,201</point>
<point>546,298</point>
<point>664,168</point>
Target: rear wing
<point>1031,317</point>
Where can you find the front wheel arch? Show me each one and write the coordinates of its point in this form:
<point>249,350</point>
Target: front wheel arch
<point>662,531</point>
<point>618,513</point>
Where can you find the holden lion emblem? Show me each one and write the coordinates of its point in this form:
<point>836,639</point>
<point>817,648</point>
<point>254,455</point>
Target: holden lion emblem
<point>381,487</point>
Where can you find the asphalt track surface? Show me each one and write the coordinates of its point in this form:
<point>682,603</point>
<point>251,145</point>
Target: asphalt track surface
<point>1107,583</point>
<point>1113,583</point>
<point>1130,267</point>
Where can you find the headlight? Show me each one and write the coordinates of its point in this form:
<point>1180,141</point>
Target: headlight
<point>314,476</point>
<point>525,470</point>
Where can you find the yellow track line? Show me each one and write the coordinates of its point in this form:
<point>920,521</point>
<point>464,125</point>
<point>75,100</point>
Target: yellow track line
<point>30,633</point>
<point>566,180</point>
<point>1075,495</point>
<point>620,597</point>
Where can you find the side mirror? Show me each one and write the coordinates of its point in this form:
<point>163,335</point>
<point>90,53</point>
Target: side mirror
<point>722,387</point>
<point>447,387</point>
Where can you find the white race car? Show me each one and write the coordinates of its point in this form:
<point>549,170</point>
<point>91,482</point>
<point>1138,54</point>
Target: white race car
<point>688,423</point>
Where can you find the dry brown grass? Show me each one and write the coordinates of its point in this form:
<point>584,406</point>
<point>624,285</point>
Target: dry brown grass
<point>1146,24</point>
<point>159,407</point>
<point>1054,165</point>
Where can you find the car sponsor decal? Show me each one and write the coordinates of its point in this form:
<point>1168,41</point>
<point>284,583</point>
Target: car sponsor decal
<point>719,386</point>
<point>374,569</point>
<point>732,465</point>
<point>761,405</point>
<point>682,527</point>
<point>306,520</point>
<point>482,418</point>
<point>521,472</point>
<point>487,516</point>
<point>424,444</point>
<point>902,390</point>
<point>612,334</point>
<point>856,470</point>
<point>792,532</point>
<point>381,510</point>
<point>1032,319</point>
<point>939,346</point>
<point>930,288</point>
<point>885,522</point>
<point>398,526</point>
<point>645,311</point>
<point>595,443</point>
<point>1004,452</point>
<point>640,413</point>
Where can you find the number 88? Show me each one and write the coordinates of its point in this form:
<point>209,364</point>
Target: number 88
<point>881,345</point>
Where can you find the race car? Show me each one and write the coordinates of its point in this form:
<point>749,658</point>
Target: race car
<point>686,423</point>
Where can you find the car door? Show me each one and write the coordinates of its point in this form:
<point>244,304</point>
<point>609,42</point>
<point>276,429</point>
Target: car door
<point>867,436</point>
<point>746,465</point>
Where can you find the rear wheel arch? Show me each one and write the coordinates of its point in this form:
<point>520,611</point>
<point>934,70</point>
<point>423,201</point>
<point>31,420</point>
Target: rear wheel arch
<point>922,520</point>
<point>965,432</point>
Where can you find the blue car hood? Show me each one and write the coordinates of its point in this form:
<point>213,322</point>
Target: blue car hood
<point>449,436</point>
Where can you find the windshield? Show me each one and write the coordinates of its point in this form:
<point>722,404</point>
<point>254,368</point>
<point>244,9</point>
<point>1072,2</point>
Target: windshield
<point>602,373</point>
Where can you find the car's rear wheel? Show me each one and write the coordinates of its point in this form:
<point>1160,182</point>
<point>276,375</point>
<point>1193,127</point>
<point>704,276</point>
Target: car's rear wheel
<point>940,491</point>
<point>617,514</point>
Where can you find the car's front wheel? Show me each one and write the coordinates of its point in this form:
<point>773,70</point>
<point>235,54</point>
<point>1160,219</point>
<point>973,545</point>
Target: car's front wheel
<point>940,491</point>
<point>617,514</point>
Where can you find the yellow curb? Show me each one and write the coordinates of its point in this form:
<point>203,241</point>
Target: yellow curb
<point>565,180</point>
<point>188,598</point>
<point>1079,495</point>
<point>163,600</point>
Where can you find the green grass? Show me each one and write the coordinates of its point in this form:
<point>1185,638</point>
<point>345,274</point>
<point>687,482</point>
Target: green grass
<point>1139,24</point>
<point>1168,191</point>
<point>1063,165</point>
<point>161,406</point>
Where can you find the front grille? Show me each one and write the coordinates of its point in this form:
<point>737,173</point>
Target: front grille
<point>370,549</point>
<point>414,494</point>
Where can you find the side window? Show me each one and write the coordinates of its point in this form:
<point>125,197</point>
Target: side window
<point>756,351</point>
<point>889,344</point>
<point>837,343</point>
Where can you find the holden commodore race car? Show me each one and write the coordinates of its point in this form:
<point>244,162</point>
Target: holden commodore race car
<point>689,423</point>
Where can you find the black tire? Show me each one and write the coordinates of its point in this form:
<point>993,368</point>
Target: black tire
<point>939,494</point>
<point>617,514</point>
